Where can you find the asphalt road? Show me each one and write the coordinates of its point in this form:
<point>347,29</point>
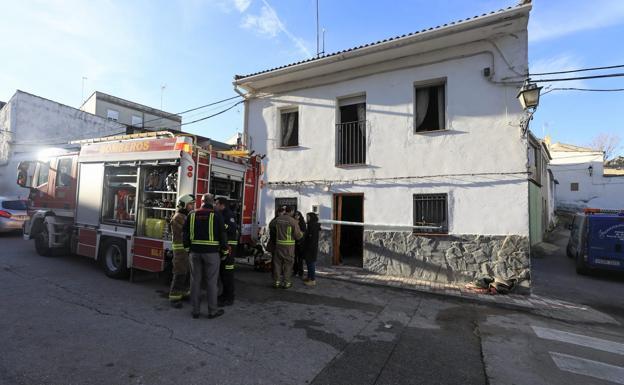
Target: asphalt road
<point>63,322</point>
<point>554,275</point>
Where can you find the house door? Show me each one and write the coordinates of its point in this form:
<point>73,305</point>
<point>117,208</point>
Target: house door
<point>348,240</point>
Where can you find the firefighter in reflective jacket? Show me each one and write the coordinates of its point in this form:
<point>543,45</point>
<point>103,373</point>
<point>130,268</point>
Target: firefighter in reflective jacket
<point>204,234</point>
<point>286,231</point>
<point>226,271</point>
<point>180,283</point>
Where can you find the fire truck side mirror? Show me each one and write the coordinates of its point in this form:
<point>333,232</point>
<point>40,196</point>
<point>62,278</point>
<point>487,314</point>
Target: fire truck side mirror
<point>25,171</point>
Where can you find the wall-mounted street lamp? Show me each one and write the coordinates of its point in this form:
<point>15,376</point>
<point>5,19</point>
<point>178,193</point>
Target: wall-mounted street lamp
<point>590,170</point>
<point>529,100</point>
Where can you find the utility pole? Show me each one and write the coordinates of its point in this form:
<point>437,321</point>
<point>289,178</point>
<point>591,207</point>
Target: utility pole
<point>162,91</point>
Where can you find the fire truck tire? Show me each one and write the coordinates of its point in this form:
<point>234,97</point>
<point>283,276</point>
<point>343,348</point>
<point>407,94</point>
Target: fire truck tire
<point>41,242</point>
<point>114,258</point>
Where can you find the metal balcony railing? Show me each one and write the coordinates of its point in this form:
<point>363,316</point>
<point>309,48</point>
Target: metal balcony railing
<point>351,143</point>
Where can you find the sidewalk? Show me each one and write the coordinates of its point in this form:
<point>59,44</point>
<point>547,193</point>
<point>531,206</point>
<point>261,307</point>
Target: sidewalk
<point>550,307</point>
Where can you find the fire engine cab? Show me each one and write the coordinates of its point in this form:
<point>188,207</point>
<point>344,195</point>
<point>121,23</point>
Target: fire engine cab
<point>111,198</point>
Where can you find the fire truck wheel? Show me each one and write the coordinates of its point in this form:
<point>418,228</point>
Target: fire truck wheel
<point>114,258</point>
<point>41,242</point>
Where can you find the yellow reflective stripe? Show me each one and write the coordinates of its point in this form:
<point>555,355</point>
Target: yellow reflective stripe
<point>229,267</point>
<point>192,226</point>
<point>177,247</point>
<point>289,233</point>
<point>287,243</point>
<point>232,242</point>
<point>211,227</point>
<point>199,242</point>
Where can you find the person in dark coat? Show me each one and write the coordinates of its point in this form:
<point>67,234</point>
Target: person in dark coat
<point>311,242</point>
<point>299,247</point>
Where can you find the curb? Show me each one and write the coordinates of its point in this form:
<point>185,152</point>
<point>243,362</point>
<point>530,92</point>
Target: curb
<point>548,307</point>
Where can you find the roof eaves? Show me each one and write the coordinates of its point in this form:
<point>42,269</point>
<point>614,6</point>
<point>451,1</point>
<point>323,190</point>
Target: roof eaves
<point>436,28</point>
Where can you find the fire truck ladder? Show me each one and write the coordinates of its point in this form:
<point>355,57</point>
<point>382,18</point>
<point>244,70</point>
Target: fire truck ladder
<point>202,181</point>
<point>154,134</point>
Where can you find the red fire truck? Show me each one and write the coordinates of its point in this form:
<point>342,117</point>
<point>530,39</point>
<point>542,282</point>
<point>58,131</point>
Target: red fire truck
<point>111,198</point>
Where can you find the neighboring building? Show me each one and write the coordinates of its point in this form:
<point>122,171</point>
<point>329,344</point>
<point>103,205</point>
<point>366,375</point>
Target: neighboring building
<point>583,179</point>
<point>137,117</point>
<point>614,167</point>
<point>418,137</point>
<point>541,190</point>
<point>30,124</point>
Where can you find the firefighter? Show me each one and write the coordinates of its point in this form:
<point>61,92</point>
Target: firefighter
<point>226,271</point>
<point>204,235</point>
<point>286,231</point>
<point>180,283</point>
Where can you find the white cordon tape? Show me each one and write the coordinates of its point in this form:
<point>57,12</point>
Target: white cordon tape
<point>333,222</point>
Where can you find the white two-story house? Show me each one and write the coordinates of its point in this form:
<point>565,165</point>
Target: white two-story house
<point>410,149</point>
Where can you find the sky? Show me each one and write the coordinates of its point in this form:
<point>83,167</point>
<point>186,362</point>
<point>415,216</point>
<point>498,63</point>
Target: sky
<point>194,48</point>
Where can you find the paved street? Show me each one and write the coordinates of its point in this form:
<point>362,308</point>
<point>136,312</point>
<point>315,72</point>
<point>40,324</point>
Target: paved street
<point>64,322</point>
<point>554,275</point>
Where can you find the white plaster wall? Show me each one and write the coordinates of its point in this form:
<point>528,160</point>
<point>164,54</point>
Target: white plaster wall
<point>483,136</point>
<point>125,115</point>
<point>595,191</point>
<point>37,123</point>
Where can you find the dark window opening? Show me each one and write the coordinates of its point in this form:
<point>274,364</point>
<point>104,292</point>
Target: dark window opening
<point>285,202</point>
<point>574,186</point>
<point>429,108</point>
<point>430,211</point>
<point>351,135</point>
<point>289,129</point>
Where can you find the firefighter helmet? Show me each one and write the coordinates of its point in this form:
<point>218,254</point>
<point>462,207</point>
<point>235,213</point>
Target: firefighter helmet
<point>185,200</point>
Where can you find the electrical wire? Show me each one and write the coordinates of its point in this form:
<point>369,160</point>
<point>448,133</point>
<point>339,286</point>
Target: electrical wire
<point>584,89</point>
<point>577,70</point>
<point>197,108</point>
<point>204,118</point>
<point>619,74</point>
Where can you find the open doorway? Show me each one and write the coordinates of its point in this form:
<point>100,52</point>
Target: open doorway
<point>348,239</point>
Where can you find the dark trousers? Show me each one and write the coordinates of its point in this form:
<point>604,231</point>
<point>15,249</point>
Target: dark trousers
<point>226,273</point>
<point>298,263</point>
<point>311,270</point>
<point>206,264</point>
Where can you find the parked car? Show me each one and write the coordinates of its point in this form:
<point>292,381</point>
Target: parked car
<point>13,214</point>
<point>597,240</point>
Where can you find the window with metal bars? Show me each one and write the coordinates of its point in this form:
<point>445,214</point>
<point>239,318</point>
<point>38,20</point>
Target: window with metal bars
<point>430,213</point>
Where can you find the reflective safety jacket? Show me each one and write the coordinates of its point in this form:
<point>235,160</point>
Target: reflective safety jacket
<point>177,228</point>
<point>204,231</point>
<point>231,228</point>
<point>286,231</point>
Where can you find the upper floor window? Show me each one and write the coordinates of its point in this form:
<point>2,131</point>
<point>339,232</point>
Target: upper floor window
<point>289,127</point>
<point>429,108</point>
<point>112,115</point>
<point>574,186</point>
<point>137,121</point>
<point>430,213</point>
<point>351,131</point>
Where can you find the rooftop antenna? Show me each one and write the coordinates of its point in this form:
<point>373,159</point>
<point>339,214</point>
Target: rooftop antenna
<point>84,78</point>
<point>318,52</point>
<point>162,91</point>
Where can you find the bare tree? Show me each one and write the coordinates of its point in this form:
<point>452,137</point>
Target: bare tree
<point>608,143</point>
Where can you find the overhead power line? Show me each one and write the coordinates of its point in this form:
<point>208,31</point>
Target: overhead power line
<point>584,89</point>
<point>620,74</point>
<point>577,70</point>
<point>197,108</point>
